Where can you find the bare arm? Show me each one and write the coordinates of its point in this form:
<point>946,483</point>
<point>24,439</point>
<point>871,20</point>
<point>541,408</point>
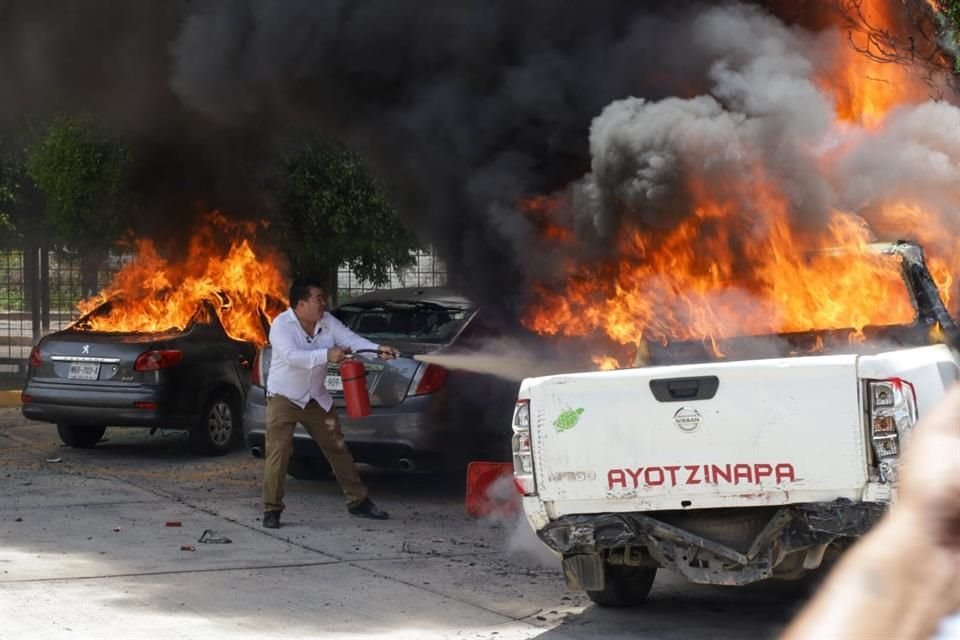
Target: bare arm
<point>902,578</point>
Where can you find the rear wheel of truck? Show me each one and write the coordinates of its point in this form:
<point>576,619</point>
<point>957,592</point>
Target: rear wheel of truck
<point>624,586</point>
<point>216,426</point>
<point>80,437</point>
<point>306,468</point>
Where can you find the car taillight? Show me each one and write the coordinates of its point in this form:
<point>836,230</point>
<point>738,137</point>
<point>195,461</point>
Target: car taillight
<point>522,448</point>
<point>35,360</point>
<point>256,378</point>
<point>893,413</point>
<point>153,360</point>
<point>428,379</point>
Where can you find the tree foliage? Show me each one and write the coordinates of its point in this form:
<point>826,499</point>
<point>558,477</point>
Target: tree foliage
<point>950,16</point>
<point>83,175</point>
<point>9,188</point>
<point>331,211</point>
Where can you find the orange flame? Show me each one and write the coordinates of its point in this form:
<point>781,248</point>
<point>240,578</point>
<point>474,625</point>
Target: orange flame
<point>539,210</point>
<point>606,363</point>
<point>724,273</point>
<point>687,285</point>
<point>152,294</point>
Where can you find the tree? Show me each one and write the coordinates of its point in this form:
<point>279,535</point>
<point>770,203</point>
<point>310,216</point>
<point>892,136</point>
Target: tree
<point>83,174</point>
<point>8,198</point>
<point>331,211</point>
<point>931,42</point>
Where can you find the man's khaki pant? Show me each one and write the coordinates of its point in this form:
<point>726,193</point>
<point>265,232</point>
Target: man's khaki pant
<point>324,427</point>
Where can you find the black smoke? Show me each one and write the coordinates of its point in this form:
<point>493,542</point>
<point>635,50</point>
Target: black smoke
<point>465,106</point>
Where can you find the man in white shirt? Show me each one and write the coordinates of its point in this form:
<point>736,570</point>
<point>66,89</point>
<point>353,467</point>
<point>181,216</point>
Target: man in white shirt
<point>304,339</point>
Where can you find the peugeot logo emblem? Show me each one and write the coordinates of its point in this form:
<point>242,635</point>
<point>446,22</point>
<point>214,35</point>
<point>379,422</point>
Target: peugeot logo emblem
<point>86,348</point>
<point>687,419</point>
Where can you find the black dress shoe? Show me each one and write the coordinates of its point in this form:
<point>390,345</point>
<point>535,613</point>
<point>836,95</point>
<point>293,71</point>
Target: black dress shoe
<point>367,509</point>
<point>271,519</point>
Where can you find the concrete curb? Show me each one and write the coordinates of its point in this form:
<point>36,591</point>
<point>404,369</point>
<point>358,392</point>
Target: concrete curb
<point>10,398</point>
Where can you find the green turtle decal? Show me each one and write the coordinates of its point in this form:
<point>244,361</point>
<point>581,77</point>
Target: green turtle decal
<point>568,419</point>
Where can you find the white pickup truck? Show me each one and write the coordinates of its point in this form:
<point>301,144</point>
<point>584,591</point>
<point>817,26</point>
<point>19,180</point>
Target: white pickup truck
<point>727,472</point>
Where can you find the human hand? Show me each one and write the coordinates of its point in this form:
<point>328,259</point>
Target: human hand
<point>337,355</point>
<point>387,352</point>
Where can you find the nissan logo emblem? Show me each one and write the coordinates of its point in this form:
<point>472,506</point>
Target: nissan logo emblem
<point>687,419</point>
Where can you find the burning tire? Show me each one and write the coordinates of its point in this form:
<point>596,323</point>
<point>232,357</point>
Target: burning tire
<point>625,586</point>
<point>80,437</point>
<point>217,426</point>
<point>304,468</point>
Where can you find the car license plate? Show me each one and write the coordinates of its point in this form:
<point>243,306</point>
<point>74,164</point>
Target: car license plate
<point>334,383</point>
<point>84,370</point>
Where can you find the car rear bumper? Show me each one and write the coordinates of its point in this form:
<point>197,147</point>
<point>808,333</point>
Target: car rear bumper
<point>75,405</point>
<point>388,431</point>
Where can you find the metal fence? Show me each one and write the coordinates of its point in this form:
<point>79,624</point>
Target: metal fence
<point>40,289</point>
<point>426,271</point>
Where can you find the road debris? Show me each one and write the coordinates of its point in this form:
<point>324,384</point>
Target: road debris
<point>187,547</point>
<point>209,536</point>
<point>173,523</point>
<point>54,459</point>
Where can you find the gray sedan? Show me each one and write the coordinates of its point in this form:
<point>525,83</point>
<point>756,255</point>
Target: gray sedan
<point>422,415</point>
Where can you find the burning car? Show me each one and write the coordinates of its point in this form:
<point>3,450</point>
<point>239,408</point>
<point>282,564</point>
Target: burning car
<point>423,415</point>
<point>166,345</point>
<point>196,379</point>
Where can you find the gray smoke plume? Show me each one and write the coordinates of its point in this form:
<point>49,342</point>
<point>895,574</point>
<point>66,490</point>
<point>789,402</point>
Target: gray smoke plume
<point>466,106</point>
<point>915,159</point>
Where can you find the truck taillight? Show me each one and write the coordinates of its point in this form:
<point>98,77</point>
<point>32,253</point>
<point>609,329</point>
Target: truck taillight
<point>893,413</point>
<point>153,360</point>
<point>522,448</point>
<point>429,378</point>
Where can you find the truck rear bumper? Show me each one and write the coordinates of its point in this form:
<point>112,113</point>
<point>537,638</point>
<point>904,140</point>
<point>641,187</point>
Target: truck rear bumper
<point>790,528</point>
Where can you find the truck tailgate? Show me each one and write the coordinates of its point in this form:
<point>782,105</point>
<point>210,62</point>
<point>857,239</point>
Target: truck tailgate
<point>719,435</point>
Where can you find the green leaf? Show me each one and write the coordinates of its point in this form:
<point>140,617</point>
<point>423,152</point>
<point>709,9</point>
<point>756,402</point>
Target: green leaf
<point>83,174</point>
<point>330,210</point>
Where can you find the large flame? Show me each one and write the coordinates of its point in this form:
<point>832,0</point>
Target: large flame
<point>724,273</point>
<point>864,85</point>
<point>221,271</point>
<point>690,284</point>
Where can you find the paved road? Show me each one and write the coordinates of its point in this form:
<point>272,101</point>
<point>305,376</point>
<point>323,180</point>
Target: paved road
<point>85,553</point>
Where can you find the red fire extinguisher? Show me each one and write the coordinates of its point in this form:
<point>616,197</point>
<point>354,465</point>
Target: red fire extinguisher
<point>354,377</point>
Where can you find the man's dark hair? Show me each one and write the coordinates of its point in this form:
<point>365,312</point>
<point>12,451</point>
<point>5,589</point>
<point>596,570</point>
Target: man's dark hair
<point>300,289</point>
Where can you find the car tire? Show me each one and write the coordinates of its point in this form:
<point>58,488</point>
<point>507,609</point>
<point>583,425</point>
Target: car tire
<point>308,468</point>
<point>624,586</point>
<point>216,427</point>
<point>80,437</point>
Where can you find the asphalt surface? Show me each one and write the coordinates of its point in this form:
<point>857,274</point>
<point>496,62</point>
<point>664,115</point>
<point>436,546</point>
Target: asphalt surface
<point>85,552</point>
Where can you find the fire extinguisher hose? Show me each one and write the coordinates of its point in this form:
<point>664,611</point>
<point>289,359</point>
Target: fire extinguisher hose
<point>399,355</point>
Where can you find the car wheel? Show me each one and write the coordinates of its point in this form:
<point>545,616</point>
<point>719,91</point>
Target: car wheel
<point>80,437</point>
<point>307,468</point>
<point>216,426</point>
<point>624,586</point>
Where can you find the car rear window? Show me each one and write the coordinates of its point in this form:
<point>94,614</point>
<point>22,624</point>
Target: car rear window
<point>397,320</point>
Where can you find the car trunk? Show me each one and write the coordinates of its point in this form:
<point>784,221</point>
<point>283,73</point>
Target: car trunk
<point>728,434</point>
<point>388,381</point>
<point>85,358</point>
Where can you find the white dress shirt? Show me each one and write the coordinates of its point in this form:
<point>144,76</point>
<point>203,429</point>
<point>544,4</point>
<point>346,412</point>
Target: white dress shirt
<point>298,366</point>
